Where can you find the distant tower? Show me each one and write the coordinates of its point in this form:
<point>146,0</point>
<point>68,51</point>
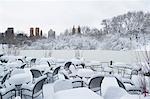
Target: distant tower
<point>79,30</point>
<point>51,34</point>
<point>37,30</point>
<point>31,32</point>
<point>41,33</point>
<point>73,30</point>
<point>9,34</point>
<point>54,35</point>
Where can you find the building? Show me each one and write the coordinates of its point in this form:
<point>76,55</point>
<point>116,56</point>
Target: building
<point>31,32</point>
<point>9,35</point>
<point>73,30</point>
<point>2,38</point>
<point>51,34</point>
<point>21,38</point>
<point>37,31</point>
<point>41,33</point>
<point>76,30</point>
<point>79,30</point>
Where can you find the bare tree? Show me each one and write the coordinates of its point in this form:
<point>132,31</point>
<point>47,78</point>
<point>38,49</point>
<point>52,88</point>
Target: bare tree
<point>143,60</point>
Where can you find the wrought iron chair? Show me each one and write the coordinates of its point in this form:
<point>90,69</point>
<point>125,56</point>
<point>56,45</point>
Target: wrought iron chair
<point>34,90</point>
<point>95,83</point>
<point>8,92</point>
<point>32,62</point>
<point>55,73</point>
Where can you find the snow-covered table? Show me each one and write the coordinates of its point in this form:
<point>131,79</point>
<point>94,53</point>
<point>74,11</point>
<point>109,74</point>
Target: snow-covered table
<point>41,67</point>
<point>19,79</point>
<point>87,73</point>
<point>76,93</point>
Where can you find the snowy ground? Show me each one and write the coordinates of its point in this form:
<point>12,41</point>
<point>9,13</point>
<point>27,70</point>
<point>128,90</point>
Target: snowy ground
<point>121,70</point>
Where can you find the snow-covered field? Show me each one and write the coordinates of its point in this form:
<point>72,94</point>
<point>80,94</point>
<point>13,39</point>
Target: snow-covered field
<point>98,55</point>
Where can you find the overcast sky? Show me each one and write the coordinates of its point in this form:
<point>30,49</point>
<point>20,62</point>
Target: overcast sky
<point>62,14</point>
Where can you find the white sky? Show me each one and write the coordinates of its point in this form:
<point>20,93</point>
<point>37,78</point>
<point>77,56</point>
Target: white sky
<point>62,14</point>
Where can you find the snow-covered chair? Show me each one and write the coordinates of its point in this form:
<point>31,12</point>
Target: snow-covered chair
<point>130,87</point>
<point>3,80</point>
<point>65,75</point>
<point>23,66</point>
<point>34,90</point>
<point>55,73</point>
<point>73,71</point>
<point>32,61</point>
<point>127,73</point>
<point>109,81</point>
<point>35,74</point>
<point>67,65</point>
<point>95,83</point>
<point>7,92</point>
<point>108,70</point>
<point>52,75</point>
<point>62,85</point>
<point>49,64</point>
<point>48,72</point>
<point>21,60</point>
<point>134,72</point>
<point>76,82</point>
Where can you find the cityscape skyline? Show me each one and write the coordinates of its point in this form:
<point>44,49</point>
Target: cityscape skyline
<point>60,15</point>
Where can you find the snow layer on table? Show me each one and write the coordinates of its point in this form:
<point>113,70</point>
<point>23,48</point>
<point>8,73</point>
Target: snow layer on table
<point>114,93</point>
<point>108,82</point>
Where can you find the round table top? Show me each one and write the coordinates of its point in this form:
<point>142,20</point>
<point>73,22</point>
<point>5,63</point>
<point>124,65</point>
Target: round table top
<point>41,67</point>
<point>20,77</point>
<point>85,73</point>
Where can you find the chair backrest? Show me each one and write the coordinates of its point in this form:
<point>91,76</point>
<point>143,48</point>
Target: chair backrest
<point>67,65</point>
<point>120,83</point>
<point>92,68</point>
<point>66,77</point>
<point>77,82</point>
<point>4,61</point>
<point>83,65</point>
<point>4,78</point>
<point>49,64</point>
<point>0,96</point>
<point>21,60</point>
<point>7,92</point>
<point>62,85</point>
<point>95,83</point>
<point>72,69</point>
<point>23,66</point>
<point>1,55</point>
<point>39,85</point>
<point>36,73</point>
<point>56,70</point>
<point>133,72</point>
<point>33,60</point>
